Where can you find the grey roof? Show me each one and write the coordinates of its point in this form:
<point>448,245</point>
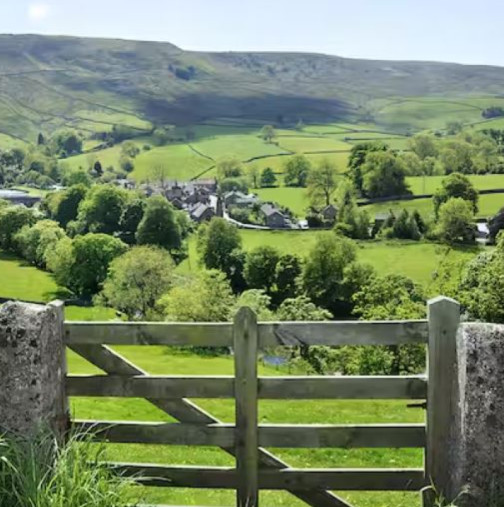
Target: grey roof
<point>269,209</point>
<point>200,210</point>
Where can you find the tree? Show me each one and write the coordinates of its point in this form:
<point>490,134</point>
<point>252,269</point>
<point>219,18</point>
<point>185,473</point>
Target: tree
<point>98,169</point>
<point>405,226</point>
<point>34,241</point>
<point>268,178</point>
<point>82,264</point>
<point>12,220</point>
<point>423,145</point>
<point>217,243</point>
<point>127,164</point>
<point>481,290</point>
<point>321,183</point>
<point>66,142</point>
<point>258,301</point>
<point>159,225</point>
<point>458,156</point>
<point>229,168</point>
<point>301,308</point>
<point>357,159</point>
<point>205,298</point>
<point>253,175</point>
<point>137,279</point>
<point>323,277</point>
<point>64,205</point>
<point>77,177</point>
<point>229,184</point>
<point>351,221</point>
<point>40,139</point>
<point>129,149</point>
<point>260,268</point>
<point>495,225</point>
<point>456,185</point>
<point>456,222</point>
<point>268,133</point>
<point>131,217</point>
<point>296,171</point>
<point>102,208</point>
<point>287,274</point>
<point>160,174</point>
<point>384,175</point>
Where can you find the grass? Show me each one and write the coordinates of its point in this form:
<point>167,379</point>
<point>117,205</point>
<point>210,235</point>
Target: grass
<point>292,197</point>
<point>429,184</point>
<point>159,360</point>
<point>312,144</point>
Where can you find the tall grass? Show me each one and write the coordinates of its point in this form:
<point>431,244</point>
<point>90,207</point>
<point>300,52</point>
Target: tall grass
<point>42,472</point>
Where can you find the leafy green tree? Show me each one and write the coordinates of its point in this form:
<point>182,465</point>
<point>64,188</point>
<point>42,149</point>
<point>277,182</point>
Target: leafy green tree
<point>357,159</point>
<point>384,175</point>
<point>456,222</point>
<point>296,171</point>
<point>229,184</point>
<point>321,183</point>
<point>98,169</point>
<point>324,272</point>
<point>457,156</point>
<point>268,133</point>
<point>456,185</point>
<point>253,175</point>
<point>63,206</point>
<point>33,241</point>
<point>351,221</point>
<point>258,301</point>
<point>217,244</point>
<point>12,220</point>
<point>229,168</point>
<point>82,264</point>
<point>129,149</point>
<point>137,279</point>
<point>66,142</point>
<point>268,178</point>
<point>159,225</point>
<point>423,145</point>
<point>287,274</point>
<point>204,298</point>
<point>132,214</point>
<point>405,226</point>
<point>126,164</point>
<point>76,177</point>
<point>260,268</point>
<point>301,308</point>
<point>481,290</point>
<point>102,208</point>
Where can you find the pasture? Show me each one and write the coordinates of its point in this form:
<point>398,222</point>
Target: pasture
<point>162,360</point>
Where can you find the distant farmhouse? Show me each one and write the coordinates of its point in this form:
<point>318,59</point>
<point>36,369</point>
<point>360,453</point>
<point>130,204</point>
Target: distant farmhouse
<point>274,218</point>
<point>18,197</point>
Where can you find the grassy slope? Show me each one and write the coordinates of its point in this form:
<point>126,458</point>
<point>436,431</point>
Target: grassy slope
<point>158,360</point>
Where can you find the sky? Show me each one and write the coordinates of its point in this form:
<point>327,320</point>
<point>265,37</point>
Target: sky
<point>464,31</point>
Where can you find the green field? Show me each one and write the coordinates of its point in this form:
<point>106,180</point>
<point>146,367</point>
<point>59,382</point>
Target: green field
<point>159,360</point>
<point>304,144</point>
<point>293,198</point>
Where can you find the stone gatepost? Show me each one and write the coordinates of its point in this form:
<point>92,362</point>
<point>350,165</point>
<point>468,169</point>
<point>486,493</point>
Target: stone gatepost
<point>32,368</point>
<point>477,433</point>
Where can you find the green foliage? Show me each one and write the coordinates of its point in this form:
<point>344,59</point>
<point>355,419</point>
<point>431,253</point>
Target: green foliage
<point>321,183</point>
<point>102,208</point>
<point>268,178</point>
<point>423,145</point>
<point>217,243</point>
<point>384,175</point>
<point>405,226</point>
<point>131,217</point>
<point>34,241</point>
<point>456,222</point>
<point>42,471</point>
<point>77,177</point>
<point>229,168</point>
<point>456,185</point>
<point>301,308</point>
<point>159,225</point>
<point>357,159</point>
<point>204,298</point>
<point>82,264</point>
<point>351,221</point>
<point>323,277</point>
<point>63,206</point>
<point>126,164</point>
<point>481,289</point>
<point>230,184</point>
<point>137,279</point>
<point>287,274</point>
<point>12,220</point>
<point>129,149</point>
<point>258,301</point>
<point>296,171</point>
<point>260,268</point>
<point>268,133</point>
<point>65,143</point>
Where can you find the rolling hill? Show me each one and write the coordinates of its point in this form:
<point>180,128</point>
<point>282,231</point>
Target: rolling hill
<point>92,84</point>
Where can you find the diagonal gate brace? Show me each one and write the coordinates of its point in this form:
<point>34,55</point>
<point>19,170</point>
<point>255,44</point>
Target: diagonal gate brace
<point>186,411</point>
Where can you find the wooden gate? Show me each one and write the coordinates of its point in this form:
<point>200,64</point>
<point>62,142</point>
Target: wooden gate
<point>246,440</point>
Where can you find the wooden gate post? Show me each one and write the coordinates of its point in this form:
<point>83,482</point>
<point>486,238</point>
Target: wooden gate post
<point>444,319</point>
<point>245,335</point>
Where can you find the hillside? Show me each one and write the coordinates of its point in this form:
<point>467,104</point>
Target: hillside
<point>92,84</point>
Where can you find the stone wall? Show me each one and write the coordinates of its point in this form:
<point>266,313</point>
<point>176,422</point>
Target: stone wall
<point>32,368</point>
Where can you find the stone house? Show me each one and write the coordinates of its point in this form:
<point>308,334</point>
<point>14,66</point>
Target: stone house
<point>202,212</point>
<point>273,217</point>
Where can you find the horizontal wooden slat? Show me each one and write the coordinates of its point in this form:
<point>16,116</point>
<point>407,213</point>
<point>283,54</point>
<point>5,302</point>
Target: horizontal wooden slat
<point>270,334</point>
<point>343,333</point>
<point>316,387</point>
<point>149,333</point>
<point>291,478</point>
<point>282,435</point>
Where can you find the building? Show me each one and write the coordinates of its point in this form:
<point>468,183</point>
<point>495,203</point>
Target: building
<point>329,213</point>
<point>202,212</point>
<point>18,197</point>
<point>273,217</point>
<point>239,199</point>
